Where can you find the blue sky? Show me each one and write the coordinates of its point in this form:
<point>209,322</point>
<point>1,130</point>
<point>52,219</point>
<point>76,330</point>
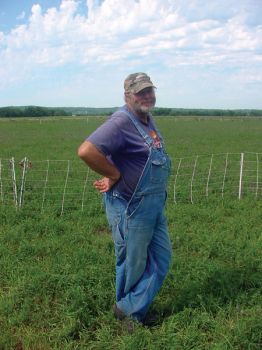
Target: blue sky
<point>199,54</point>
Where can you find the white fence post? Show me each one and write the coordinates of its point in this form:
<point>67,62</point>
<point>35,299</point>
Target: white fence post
<point>257,176</point>
<point>63,201</point>
<point>192,179</point>
<point>24,164</point>
<point>84,189</point>
<point>241,175</point>
<point>224,177</point>
<point>12,163</point>
<point>176,179</point>
<point>46,180</point>
<point>209,174</point>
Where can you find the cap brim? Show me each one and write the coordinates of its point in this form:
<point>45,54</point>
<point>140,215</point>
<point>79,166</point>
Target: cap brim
<point>142,87</point>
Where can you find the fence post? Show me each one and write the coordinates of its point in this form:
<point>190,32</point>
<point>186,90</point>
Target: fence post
<point>176,179</point>
<point>192,179</point>
<point>84,189</point>
<point>45,186</point>
<point>224,177</point>
<point>24,163</point>
<point>12,163</point>
<point>241,175</point>
<point>257,176</point>
<point>67,173</point>
<point>209,174</point>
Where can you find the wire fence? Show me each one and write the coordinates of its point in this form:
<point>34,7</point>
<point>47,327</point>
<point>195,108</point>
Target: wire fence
<point>67,185</point>
<point>230,175</point>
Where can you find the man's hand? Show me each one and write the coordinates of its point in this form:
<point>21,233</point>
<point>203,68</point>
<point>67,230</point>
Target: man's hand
<point>104,184</point>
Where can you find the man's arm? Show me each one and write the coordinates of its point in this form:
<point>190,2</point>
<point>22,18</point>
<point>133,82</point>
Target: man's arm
<point>98,162</point>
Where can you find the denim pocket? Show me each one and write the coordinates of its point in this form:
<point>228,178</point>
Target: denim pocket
<point>115,208</point>
<point>117,236</point>
<point>159,173</point>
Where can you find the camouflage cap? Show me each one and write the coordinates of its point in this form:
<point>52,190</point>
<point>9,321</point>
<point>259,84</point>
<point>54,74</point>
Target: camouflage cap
<point>136,82</point>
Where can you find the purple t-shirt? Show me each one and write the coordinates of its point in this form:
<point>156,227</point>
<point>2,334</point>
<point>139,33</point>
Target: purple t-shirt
<point>120,141</point>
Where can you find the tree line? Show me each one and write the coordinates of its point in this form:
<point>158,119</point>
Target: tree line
<point>37,111</point>
<point>199,112</point>
<point>31,111</point>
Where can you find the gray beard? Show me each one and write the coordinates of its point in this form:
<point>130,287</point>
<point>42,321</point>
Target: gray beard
<point>146,109</point>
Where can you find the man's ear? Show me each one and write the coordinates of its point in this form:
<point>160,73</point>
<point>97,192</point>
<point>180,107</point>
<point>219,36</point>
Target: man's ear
<point>126,95</point>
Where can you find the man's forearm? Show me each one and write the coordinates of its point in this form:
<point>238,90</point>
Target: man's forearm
<point>97,161</point>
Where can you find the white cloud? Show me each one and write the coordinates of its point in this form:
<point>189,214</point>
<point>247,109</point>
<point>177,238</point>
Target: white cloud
<point>164,32</point>
<point>117,25</point>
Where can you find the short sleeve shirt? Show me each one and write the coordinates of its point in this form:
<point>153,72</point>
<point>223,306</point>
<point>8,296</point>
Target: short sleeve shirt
<point>120,141</point>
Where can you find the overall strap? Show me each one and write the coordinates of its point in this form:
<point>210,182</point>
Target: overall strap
<point>146,137</point>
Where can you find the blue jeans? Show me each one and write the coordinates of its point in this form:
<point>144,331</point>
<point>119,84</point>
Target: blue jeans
<point>142,249</point>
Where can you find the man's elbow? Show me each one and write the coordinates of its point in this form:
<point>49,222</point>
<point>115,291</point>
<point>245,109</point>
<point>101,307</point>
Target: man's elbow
<point>84,150</point>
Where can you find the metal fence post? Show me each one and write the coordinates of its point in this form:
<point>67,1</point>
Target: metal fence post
<point>12,163</point>
<point>209,174</point>
<point>176,179</point>
<point>192,180</point>
<point>24,164</point>
<point>64,193</point>
<point>241,175</point>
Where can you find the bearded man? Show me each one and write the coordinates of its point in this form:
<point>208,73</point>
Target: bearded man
<point>128,151</point>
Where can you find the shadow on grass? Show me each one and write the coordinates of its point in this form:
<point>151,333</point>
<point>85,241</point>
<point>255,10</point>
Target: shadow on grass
<point>218,289</point>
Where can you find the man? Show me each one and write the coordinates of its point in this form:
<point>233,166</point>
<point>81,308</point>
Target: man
<point>128,151</point>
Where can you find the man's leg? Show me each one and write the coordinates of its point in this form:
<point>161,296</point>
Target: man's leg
<point>161,251</point>
<point>147,262</point>
<point>115,209</point>
<point>139,270</point>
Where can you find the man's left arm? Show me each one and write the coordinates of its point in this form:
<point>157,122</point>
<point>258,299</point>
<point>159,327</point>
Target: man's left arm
<point>98,162</point>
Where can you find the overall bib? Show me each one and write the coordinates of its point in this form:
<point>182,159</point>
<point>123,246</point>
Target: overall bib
<point>139,230</point>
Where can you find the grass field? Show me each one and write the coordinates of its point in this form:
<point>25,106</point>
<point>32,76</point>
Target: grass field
<point>59,139</point>
<point>57,273</point>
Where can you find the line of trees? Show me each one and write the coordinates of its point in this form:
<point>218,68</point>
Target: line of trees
<point>37,111</point>
<point>176,112</point>
<point>31,111</point>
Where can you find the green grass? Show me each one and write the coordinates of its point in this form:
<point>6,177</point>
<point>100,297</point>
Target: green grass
<point>57,273</point>
<point>57,282</point>
<point>59,139</point>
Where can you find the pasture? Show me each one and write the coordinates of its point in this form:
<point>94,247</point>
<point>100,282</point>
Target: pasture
<point>57,272</point>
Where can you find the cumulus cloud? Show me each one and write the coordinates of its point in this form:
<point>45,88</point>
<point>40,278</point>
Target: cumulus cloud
<point>116,31</point>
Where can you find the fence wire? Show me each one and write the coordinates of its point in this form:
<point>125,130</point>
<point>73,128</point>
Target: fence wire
<point>67,185</point>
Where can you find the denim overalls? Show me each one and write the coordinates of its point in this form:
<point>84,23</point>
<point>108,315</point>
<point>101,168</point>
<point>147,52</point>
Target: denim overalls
<point>139,229</point>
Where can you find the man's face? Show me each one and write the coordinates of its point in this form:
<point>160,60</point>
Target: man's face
<point>143,101</point>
